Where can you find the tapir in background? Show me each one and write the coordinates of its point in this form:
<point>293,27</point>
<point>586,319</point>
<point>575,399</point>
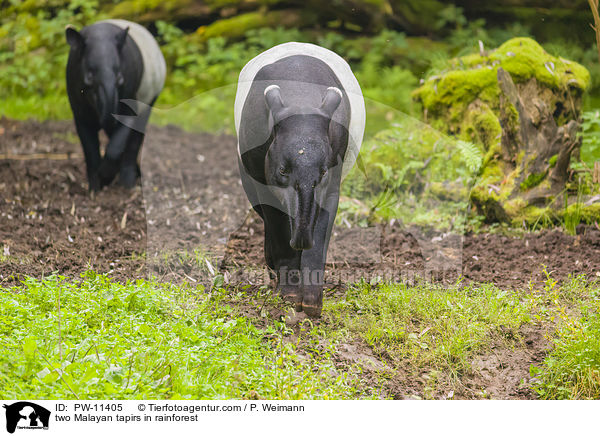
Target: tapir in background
<point>300,118</point>
<point>115,72</point>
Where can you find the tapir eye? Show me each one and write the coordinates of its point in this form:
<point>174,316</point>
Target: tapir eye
<point>283,171</point>
<point>323,172</point>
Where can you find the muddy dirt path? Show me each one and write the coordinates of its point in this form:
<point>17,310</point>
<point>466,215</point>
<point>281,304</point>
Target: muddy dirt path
<point>50,223</point>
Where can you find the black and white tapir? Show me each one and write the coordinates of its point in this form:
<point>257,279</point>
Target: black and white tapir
<point>115,72</point>
<point>300,118</point>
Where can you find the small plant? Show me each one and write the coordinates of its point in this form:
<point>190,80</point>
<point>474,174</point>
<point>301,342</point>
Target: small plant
<point>590,137</point>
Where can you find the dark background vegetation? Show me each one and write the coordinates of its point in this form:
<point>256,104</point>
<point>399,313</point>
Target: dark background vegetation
<point>390,44</point>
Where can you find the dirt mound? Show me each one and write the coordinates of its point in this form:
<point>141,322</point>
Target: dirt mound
<point>508,262</point>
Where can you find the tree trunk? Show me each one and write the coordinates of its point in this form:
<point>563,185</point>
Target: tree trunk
<point>541,150</point>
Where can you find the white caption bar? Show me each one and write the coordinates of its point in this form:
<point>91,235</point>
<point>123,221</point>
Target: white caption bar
<point>42,417</point>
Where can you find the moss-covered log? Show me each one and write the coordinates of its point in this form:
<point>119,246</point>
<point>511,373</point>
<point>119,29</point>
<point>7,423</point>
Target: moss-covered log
<point>522,106</point>
<point>238,25</point>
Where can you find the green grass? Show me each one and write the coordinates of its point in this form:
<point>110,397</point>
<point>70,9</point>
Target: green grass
<point>99,339</point>
<point>440,330</point>
<point>572,368</point>
<point>430,326</point>
<point>94,338</point>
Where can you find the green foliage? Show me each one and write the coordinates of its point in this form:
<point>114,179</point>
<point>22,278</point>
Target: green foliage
<point>471,155</point>
<point>391,86</point>
<point>413,173</point>
<point>99,339</point>
<point>33,56</point>
<point>451,15</point>
<point>590,137</point>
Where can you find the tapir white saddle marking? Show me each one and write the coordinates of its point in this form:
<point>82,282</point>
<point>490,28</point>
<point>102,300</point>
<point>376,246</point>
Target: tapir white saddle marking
<point>155,68</point>
<point>339,67</point>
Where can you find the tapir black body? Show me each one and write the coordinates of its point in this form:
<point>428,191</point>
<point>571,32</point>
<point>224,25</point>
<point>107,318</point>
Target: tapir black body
<point>106,71</point>
<point>293,137</point>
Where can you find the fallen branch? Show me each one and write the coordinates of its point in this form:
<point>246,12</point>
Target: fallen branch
<point>40,156</point>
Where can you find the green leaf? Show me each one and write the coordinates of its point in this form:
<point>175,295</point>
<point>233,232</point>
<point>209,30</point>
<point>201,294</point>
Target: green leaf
<point>29,347</point>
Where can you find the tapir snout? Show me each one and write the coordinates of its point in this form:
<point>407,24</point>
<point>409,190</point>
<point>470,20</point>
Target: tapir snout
<point>106,103</point>
<point>303,223</point>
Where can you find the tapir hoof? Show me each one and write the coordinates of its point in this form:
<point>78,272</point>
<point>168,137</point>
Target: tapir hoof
<point>107,171</point>
<point>293,294</point>
<point>128,177</point>
<point>312,301</point>
<point>94,183</point>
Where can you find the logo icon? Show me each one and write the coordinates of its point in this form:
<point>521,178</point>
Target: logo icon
<point>26,415</point>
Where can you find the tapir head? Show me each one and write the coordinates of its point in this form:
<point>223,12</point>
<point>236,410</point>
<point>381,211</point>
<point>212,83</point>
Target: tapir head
<point>100,67</point>
<point>296,164</point>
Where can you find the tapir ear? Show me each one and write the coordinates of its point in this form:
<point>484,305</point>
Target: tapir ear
<point>273,99</point>
<point>331,101</point>
<point>74,38</point>
<point>122,37</point>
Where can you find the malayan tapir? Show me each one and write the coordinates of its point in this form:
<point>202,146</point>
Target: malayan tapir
<point>115,72</point>
<point>300,118</point>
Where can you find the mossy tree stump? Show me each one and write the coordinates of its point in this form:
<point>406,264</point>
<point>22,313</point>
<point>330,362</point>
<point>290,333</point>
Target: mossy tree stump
<point>522,107</point>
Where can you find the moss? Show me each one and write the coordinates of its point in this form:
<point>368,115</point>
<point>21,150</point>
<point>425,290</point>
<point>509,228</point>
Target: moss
<point>466,100</point>
<point>495,173</point>
<point>492,171</point>
<point>543,217</point>
<point>475,76</point>
<point>512,207</point>
<point>487,203</point>
<point>536,217</point>
<point>456,89</point>
<point>552,161</point>
<point>481,126</point>
<point>524,58</point>
<point>238,25</point>
<point>532,180</point>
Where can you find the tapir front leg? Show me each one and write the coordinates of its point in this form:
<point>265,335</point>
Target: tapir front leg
<point>129,169</point>
<point>88,134</point>
<point>285,260</point>
<point>116,146</point>
<point>312,263</point>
